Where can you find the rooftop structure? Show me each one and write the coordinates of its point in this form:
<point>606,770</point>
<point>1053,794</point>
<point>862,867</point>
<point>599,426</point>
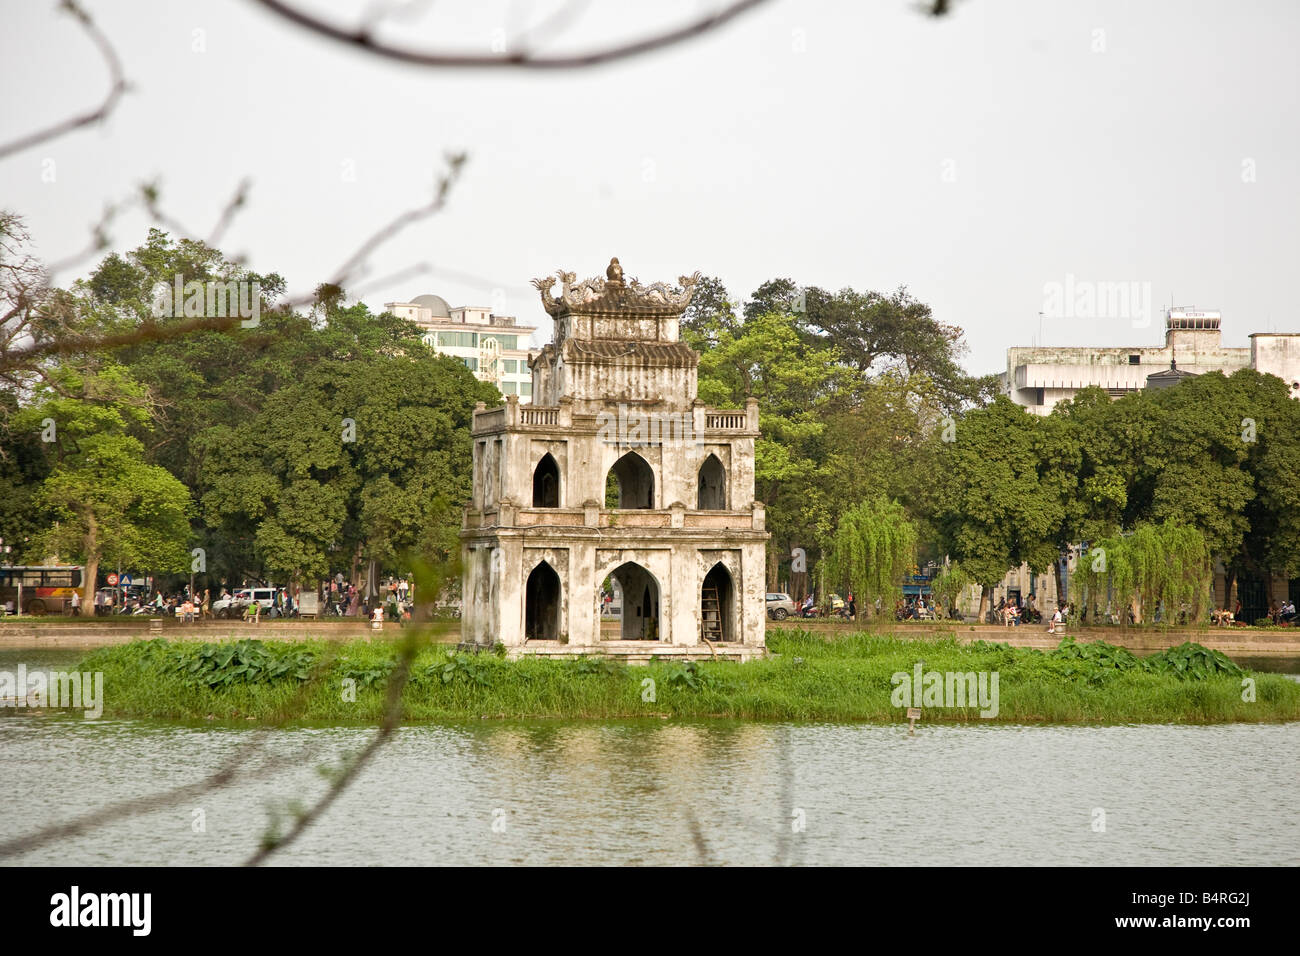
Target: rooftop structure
<point>1039,377</point>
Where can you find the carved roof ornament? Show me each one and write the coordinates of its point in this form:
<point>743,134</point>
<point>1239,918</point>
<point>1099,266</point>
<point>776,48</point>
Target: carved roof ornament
<point>614,294</point>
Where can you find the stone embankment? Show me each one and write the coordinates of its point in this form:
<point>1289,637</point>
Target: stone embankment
<point>88,633</point>
<point>1241,641</point>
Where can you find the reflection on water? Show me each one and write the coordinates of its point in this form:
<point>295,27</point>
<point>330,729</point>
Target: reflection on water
<point>667,792</point>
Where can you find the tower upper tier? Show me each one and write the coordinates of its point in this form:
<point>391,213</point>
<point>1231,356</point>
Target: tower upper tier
<point>615,341</point>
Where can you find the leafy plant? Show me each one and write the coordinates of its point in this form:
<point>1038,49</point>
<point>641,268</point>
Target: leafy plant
<point>1191,661</point>
<point>243,662</point>
<point>465,668</point>
<point>689,675</point>
<point>370,676</point>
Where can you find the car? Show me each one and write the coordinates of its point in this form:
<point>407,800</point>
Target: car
<point>233,604</point>
<point>779,606</point>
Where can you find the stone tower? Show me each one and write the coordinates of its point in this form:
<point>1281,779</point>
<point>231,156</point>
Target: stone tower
<point>615,412</point>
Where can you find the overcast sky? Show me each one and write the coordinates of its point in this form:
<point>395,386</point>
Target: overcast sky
<point>974,159</point>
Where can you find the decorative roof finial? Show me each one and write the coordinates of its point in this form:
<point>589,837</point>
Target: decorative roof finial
<point>615,294</point>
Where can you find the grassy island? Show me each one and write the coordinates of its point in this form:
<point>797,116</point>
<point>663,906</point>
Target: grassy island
<point>858,677</point>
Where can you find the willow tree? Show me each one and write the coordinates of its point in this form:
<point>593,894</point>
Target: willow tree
<point>1167,563</point>
<point>873,547</point>
<point>948,585</point>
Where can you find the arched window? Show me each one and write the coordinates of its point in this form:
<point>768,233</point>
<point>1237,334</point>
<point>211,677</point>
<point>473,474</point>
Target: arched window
<point>640,605</point>
<point>717,615</point>
<point>546,483</point>
<point>636,482</point>
<point>542,604</point>
<point>712,485</point>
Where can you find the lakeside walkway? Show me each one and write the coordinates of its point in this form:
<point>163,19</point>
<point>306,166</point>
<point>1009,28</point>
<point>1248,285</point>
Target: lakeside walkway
<point>1245,641</point>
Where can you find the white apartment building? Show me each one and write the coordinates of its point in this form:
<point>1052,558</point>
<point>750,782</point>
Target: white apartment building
<point>1038,378</point>
<point>494,347</point>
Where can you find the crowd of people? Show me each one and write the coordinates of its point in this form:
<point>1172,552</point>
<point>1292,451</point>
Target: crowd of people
<point>336,597</point>
<point>1284,613</point>
<point>187,605</point>
<point>341,599</point>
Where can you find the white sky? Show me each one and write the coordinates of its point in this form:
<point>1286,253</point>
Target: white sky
<point>813,140</point>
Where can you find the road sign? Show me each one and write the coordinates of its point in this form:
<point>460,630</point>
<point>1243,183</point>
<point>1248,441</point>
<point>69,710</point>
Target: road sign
<point>126,580</point>
<point>112,580</point>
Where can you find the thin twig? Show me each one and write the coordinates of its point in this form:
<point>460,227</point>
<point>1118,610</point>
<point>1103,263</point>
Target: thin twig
<point>116,88</point>
<point>363,39</point>
<point>358,258</point>
<point>236,768</point>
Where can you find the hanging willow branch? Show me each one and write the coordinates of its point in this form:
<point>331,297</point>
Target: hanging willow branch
<point>873,548</point>
<point>1165,564</point>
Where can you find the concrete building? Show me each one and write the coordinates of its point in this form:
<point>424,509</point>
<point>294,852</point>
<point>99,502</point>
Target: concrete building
<point>1038,378</point>
<point>495,347</point>
<point>618,474</point>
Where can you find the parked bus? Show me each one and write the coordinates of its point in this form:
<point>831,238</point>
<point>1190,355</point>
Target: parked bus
<point>46,589</point>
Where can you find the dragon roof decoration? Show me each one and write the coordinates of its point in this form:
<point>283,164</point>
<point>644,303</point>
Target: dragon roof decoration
<point>614,294</point>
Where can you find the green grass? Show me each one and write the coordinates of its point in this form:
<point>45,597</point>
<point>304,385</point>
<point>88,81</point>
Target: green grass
<point>810,677</point>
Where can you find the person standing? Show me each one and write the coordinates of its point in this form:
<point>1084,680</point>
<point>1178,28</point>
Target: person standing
<point>76,603</point>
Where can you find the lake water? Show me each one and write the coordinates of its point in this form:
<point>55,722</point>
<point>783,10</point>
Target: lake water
<point>665,792</point>
<point>661,792</point>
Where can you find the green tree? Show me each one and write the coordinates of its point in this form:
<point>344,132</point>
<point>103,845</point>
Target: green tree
<point>998,499</point>
<point>1156,565</point>
<point>796,383</point>
<point>105,501</point>
<point>874,546</point>
<point>365,458</point>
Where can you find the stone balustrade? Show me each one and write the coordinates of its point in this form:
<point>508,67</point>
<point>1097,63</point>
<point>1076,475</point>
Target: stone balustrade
<point>509,515</point>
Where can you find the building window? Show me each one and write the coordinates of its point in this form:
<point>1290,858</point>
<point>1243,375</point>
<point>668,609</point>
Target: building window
<point>526,389</point>
<point>1135,360</point>
<point>464,340</point>
<point>631,483</point>
<point>712,485</point>
<point>511,365</point>
<point>546,483</point>
<point>508,388</point>
<point>471,364</point>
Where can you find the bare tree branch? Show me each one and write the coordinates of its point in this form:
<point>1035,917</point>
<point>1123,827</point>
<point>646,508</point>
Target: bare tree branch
<point>363,39</point>
<point>358,258</point>
<point>236,768</point>
<point>116,88</point>
<point>228,213</point>
<point>392,717</point>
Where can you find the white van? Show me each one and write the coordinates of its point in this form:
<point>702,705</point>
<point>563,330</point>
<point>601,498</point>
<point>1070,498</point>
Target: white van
<point>233,606</point>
